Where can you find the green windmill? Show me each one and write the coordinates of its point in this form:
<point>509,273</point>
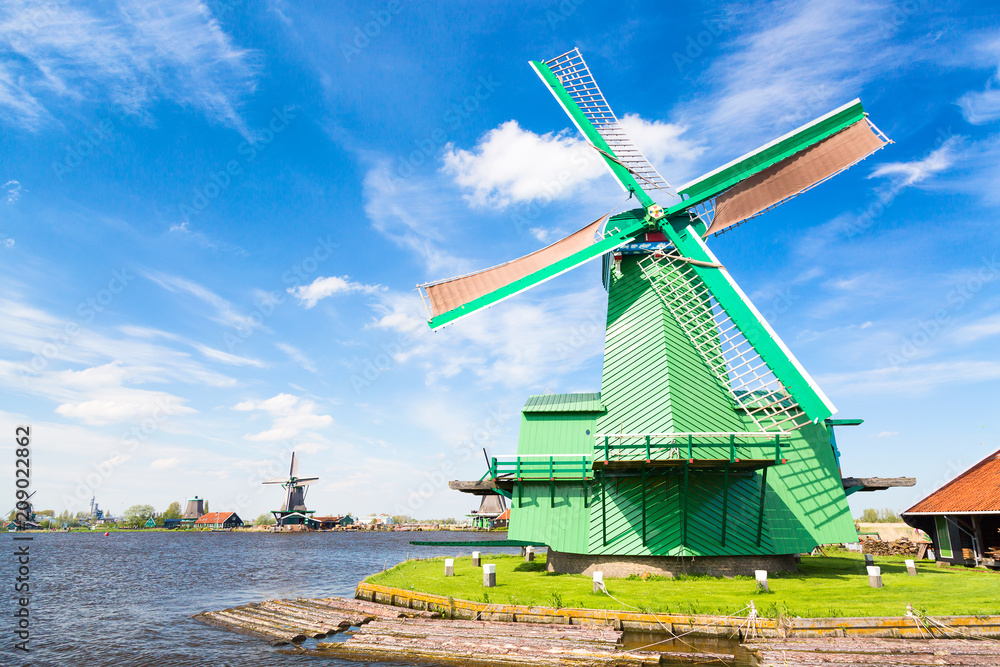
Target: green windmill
<point>708,438</point>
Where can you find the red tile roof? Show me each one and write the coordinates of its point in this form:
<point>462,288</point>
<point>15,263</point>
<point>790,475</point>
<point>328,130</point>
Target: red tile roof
<point>975,490</point>
<point>505,516</point>
<point>214,517</point>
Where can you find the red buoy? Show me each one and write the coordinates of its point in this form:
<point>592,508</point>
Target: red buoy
<point>106,534</point>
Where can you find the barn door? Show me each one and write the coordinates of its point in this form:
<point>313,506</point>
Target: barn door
<point>943,538</point>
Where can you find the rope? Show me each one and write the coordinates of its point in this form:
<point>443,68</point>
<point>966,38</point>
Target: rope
<point>670,632</point>
<point>917,614</point>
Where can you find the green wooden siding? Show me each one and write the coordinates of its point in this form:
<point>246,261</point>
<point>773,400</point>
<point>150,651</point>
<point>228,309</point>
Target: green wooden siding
<point>654,381</point>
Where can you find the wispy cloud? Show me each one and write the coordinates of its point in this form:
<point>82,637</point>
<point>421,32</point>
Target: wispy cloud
<point>291,417</point>
<point>911,379</point>
<point>321,288</point>
<point>916,171</point>
<point>13,190</point>
<point>298,356</point>
<point>133,53</point>
<point>225,312</point>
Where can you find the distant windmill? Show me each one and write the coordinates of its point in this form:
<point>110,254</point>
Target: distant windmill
<point>293,511</point>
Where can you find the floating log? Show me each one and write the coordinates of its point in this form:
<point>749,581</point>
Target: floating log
<point>278,624</point>
<point>418,628</point>
<point>212,618</point>
<point>843,652</point>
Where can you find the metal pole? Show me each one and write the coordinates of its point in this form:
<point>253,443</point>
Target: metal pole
<point>644,503</point>
<point>725,502</point>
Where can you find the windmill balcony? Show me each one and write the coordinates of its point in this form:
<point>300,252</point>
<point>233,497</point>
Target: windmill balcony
<point>750,450</point>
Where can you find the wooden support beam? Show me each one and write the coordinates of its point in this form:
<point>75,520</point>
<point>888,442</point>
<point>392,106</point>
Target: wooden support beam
<point>877,483</point>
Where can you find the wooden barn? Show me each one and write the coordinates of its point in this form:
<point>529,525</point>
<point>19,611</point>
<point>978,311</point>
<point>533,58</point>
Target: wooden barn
<point>218,521</point>
<point>963,516</point>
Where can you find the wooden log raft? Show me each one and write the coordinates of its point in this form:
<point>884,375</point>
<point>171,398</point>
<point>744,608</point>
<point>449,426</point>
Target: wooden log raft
<point>846,652</point>
<point>281,622</point>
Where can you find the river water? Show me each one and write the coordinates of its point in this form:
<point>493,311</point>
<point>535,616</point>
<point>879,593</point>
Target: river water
<point>127,599</point>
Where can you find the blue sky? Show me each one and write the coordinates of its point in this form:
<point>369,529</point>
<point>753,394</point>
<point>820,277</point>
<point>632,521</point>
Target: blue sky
<point>213,216</point>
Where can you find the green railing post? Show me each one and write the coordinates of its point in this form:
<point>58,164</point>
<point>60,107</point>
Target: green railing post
<point>690,445</point>
<point>684,511</point>
<point>607,452</point>
<point>644,504</point>
<point>760,517</point>
<point>725,503</point>
<point>493,467</point>
<point>647,448</point>
<point>777,449</point>
<point>604,514</point>
<point>732,455</point>
<point>552,483</point>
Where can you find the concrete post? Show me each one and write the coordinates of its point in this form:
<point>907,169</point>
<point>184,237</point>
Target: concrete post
<point>529,554</point>
<point>489,575</point>
<point>911,568</point>
<point>874,576</point>
<point>598,582</point>
<point>449,567</point>
<point>761,576</point>
<point>476,560</point>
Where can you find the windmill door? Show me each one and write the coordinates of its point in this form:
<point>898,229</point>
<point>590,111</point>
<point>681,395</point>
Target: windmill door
<point>943,538</point>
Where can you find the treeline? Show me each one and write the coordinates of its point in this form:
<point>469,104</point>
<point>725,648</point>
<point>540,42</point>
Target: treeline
<point>883,515</point>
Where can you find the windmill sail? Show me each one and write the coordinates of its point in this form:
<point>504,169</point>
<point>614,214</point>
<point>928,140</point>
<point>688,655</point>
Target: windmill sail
<point>784,168</point>
<point>457,297</point>
<point>570,81</point>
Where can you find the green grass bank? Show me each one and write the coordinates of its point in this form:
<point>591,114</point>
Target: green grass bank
<point>824,587</point>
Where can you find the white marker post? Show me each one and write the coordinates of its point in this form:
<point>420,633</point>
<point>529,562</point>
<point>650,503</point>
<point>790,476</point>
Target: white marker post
<point>489,575</point>
<point>598,582</point>
<point>911,568</point>
<point>476,560</point>
<point>874,576</point>
<point>529,554</point>
<point>449,567</point>
<point>761,577</point>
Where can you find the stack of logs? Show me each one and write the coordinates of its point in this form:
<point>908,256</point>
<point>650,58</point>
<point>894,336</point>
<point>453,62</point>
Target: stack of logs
<point>487,643</point>
<point>281,622</point>
<point>901,547</point>
<point>850,651</point>
<point>993,552</point>
<point>382,632</point>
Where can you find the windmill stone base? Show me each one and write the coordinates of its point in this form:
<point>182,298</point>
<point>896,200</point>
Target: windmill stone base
<point>615,566</point>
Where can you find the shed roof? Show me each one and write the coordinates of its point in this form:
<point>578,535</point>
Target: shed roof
<point>975,490</point>
<point>215,517</point>
<point>564,403</point>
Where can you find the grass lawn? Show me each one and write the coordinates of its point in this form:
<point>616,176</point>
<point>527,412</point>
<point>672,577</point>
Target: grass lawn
<point>824,586</point>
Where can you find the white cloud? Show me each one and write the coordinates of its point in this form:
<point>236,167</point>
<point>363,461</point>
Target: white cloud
<point>13,189</point>
<point>225,312</point>
<point>981,107</point>
<point>911,379</point>
<point>7,242</point>
<point>299,357</point>
<point>887,434</point>
<point>319,289</point>
<point>133,54</point>
<point>227,358</point>
<point>793,62</point>
<point>165,464</point>
<point>984,328</point>
<point>916,171</point>
<point>291,417</point>
<point>665,146</point>
<point>510,164</point>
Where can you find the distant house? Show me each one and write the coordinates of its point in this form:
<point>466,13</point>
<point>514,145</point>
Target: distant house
<point>218,520</point>
<point>490,509</point>
<point>172,523</point>
<point>331,522</point>
<point>963,516</point>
